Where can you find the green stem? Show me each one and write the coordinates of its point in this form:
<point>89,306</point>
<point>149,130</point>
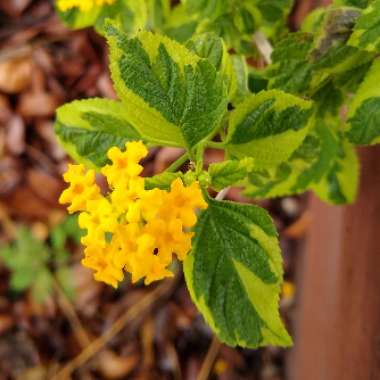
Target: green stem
<point>199,157</point>
<point>215,144</point>
<point>177,163</point>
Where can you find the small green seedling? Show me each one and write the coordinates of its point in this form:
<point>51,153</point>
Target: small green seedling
<point>36,264</point>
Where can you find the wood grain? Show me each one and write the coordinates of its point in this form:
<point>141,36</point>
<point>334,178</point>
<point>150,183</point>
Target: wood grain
<point>338,323</point>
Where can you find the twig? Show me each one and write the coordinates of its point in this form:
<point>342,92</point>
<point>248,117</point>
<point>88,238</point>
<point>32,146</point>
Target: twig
<point>79,331</point>
<point>177,367</point>
<point>178,163</point>
<point>10,29</point>
<point>222,194</point>
<point>264,46</point>
<point>133,312</point>
<point>28,48</point>
<point>208,363</point>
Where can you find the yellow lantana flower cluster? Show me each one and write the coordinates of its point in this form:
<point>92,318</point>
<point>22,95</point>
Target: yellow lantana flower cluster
<point>83,5</point>
<point>131,229</point>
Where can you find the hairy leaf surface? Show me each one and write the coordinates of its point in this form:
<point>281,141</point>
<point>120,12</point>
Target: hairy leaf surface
<point>303,62</point>
<point>364,117</point>
<point>307,166</point>
<point>366,34</point>
<point>340,184</point>
<point>234,274</point>
<point>174,97</point>
<point>88,128</point>
<point>229,173</point>
<point>268,126</point>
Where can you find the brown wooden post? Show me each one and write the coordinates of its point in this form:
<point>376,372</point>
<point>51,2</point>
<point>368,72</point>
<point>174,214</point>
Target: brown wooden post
<point>304,7</point>
<point>338,319</point>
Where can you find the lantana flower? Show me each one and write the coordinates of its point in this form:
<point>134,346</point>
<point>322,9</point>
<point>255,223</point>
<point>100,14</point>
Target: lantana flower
<point>131,229</point>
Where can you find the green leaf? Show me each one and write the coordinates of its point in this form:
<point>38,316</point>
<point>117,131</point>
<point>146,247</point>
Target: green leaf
<point>257,80</point>
<point>25,258</point>
<point>234,274</point>
<point>274,10</point>
<point>313,20</point>
<point>350,80</point>
<point>158,13</point>
<point>174,97</point>
<point>162,180</point>
<point>340,184</point>
<point>180,25</point>
<point>212,48</point>
<point>233,68</point>
<point>305,62</point>
<point>58,238</point>
<point>326,146</point>
<point>328,100</point>
<point>363,126</point>
<point>26,252</point>
<point>42,286</point>
<point>291,71</point>
<point>207,8</point>
<point>307,166</point>
<point>353,3</point>
<point>71,229</point>
<point>366,33</point>
<point>334,31</point>
<point>88,128</point>
<point>65,279</point>
<point>240,71</point>
<point>244,15</point>
<point>235,21</point>
<point>330,54</point>
<point>268,126</point>
<point>22,279</point>
<point>229,173</point>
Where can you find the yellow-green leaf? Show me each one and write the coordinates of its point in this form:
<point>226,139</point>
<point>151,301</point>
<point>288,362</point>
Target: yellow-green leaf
<point>234,275</point>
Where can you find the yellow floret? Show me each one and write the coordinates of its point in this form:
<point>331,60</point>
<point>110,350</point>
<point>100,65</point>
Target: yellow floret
<point>81,190</point>
<point>153,201</point>
<point>124,195</point>
<point>100,260</point>
<point>170,238</point>
<point>125,237</point>
<point>131,229</point>
<point>83,5</point>
<point>184,200</point>
<point>124,165</point>
<point>156,270</point>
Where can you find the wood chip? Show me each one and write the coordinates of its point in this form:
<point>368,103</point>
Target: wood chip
<point>15,74</point>
<point>15,137</point>
<point>37,104</point>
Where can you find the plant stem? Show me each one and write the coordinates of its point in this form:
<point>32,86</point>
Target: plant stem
<point>215,144</point>
<point>79,331</point>
<point>210,359</point>
<point>177,163</point>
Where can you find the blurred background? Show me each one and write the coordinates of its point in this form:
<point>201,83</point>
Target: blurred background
<point>53,315</point>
